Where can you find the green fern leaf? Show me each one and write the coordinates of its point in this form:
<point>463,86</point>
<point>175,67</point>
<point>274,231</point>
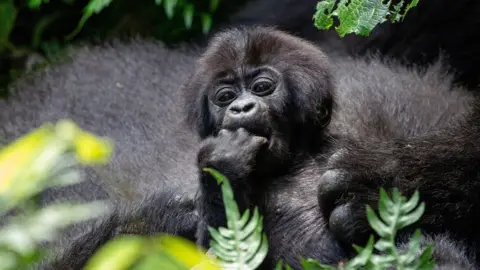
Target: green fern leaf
<point>412,4</point>
<point>396,213</point>
<point>412,203</point>
<point>241,245</point>
<point>395,16</point>
<point>408,219</point>
<point>310,264</point>
<point>377,225</point>
<point>280,266</point>
<point>385,207</point>
<point>363,256</point>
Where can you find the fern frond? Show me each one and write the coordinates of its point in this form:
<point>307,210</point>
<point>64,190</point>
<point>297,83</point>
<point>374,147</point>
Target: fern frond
<point>241,245</point>
<point>394,214</point>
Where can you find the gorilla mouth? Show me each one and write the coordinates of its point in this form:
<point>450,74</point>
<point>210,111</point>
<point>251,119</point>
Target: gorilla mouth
<point>256,129</point>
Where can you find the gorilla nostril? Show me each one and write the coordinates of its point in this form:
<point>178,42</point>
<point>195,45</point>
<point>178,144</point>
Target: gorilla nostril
<point>235,110</point>
<point>248,107</point>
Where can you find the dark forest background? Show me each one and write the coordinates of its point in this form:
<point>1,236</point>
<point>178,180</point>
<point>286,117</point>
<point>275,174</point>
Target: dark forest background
<point>34,32</point>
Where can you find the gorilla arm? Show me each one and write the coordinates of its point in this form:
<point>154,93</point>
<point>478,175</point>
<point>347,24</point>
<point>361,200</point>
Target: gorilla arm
<point>443,166</point>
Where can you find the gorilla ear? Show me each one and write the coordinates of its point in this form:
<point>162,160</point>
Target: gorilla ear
<point>323,115</point>
<point>196,107</point>
<point>313,95</point>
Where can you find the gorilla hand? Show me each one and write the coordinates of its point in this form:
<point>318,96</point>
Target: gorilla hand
<point>233,153</point>
<point>442,169</point>
<point>346,188</point>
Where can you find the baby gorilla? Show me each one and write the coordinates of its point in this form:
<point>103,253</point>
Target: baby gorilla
<point>262,100</point>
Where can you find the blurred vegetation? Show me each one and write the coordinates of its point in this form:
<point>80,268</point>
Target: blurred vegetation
<point>32,32</point>
<point>41,159</point>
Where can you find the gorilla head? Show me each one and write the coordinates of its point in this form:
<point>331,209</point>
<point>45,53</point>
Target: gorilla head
<point>272,84</point>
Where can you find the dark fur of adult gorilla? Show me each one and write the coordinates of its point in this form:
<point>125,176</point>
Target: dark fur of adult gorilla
<point>284,93</point>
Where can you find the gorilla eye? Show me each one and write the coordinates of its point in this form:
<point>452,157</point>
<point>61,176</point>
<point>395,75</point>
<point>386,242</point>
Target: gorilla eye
<point>263,87</point>
<point>225,96</point>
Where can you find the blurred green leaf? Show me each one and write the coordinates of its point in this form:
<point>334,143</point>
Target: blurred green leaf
<point>118,254</point>
<point>146,253</point>
<point>41,26</point>
<point>214,5</point>
<point>93,7</point>
<point>26,164</point>
<point>206,23</point>
<point>188,11</point>
<point>169,6</point>
<point>309,264</point>
<point>36,3</point>
<point>8,14</point>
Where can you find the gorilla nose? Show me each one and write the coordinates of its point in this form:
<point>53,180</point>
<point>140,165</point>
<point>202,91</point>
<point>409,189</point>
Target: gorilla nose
<point>243,108</point>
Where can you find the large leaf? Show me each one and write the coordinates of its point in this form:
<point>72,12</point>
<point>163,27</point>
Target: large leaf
<point>358,16</point>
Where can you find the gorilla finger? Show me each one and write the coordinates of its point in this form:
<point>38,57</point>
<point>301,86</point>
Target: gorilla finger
<point>335,157</point>
<point>223,132</point>
<point>347,223</point>
<point>260,140</point>
<point>243,134</point>
<point>332,185</point>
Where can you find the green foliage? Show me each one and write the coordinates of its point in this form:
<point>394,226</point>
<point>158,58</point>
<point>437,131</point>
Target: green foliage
<point>359,16</point>
<point>93,7</point>
<point>144,253</point>
<point>241,245</point>
<point>43,27</point>
<point>28,166</point>
<point>395,213</point>
<point>8,14</point>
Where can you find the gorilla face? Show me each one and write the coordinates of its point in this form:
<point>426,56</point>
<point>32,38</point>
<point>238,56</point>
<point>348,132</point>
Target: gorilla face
<point>252,98</point>
<point>271,84</point>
